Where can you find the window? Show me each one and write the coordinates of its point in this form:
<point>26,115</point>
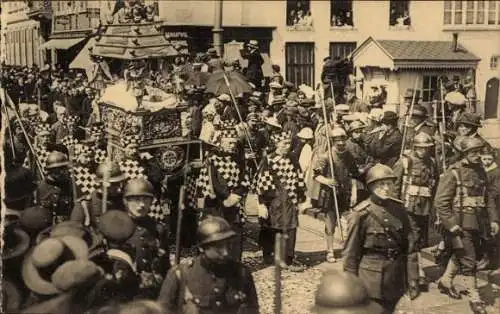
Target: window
<point>341,13</point>
<point>471,12</point>
<point>400,13</point>
<point>339,51</point>
<point>300,63</point>
<point>298,13</point>
<point>429,87</point>
<point>494,62</point>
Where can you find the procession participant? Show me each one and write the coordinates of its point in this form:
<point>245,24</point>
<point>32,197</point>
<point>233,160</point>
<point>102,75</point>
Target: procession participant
<point>89,210</point>
<point>213,282</point>
<point>254,73</point>
<point>493,173</point>
<point>276,89</point>
<point>387,143</point>
<point>276,75</point>
<point>67,127</point>
<point>344,169</point>
<point>467,127</point>
<point>380,242</point>
<point>55,192</point>
<point>222,184</point>
<point>463,208</point>
<point>418,124</point>
<point>302,152</point>
<point>341,292</point>
<point>256,139</point>
<point>416,180</point>
<point>280,189</point>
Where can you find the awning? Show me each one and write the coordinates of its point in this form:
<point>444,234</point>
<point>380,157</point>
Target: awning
<point>61,43</point>
<point>82,60</point>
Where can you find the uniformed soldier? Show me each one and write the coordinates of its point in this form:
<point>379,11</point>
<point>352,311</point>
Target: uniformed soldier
<point>417,176</point>
<point>213,282</point>
<point>387,142</point>
<point>88,210</point>
<point>149,241</point>
<point>418,123</point>
<point>466,215</point>
<point>380,242</point>
<point>55,193</point>
<point>344,169</point>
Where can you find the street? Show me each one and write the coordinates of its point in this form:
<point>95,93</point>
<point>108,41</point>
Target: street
<point>299,288</point>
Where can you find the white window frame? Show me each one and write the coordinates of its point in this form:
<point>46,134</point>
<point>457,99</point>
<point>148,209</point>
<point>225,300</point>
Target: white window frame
<point>488,6</point>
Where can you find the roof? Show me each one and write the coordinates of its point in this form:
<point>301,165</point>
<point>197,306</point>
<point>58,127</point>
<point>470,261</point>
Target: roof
<point>420,54</point>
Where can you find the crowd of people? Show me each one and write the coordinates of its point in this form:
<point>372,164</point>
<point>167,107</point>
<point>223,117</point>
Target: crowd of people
<point>83,233</point>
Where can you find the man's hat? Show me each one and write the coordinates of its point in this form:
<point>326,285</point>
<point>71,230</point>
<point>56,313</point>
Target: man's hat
<point>212,51</point>
<point>306,133</point>
<point>73,229</point>
<point>116,226</point>
<point>389,116</point>
<point>19,183</point>
<point>35,219</point>
<point>272,121</point>
<point>77,273</point>
<point>16,242</point>
<point>469,119</point>
<point>419,111</point>
<point>253,43</point>
<point>224,98</point>
<point>307,102</point>
<point>39,266</point>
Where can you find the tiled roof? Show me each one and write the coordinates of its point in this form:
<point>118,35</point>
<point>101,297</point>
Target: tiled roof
<point>425,50</point>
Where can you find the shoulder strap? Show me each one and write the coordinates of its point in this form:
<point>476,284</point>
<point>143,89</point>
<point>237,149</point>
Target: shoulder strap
<point>388,227</point>
<point>456,173</point>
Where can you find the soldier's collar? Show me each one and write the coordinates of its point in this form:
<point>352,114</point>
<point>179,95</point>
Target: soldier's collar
<point>378,201</point>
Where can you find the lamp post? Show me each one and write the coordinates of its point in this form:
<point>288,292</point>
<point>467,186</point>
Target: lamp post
<point>217,30</point>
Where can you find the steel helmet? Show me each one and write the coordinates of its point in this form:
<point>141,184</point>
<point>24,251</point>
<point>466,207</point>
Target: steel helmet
<point>306,133</point>
<point>56,160</point>
<point>342,292</point>
<point>423,139</point>
<point>356,125</point>
<point>214,229</point>
<point>138,187</point>
<point>112,169</point>
<point>379,172</point>
<point>470,143</point>
<point>338,132</point>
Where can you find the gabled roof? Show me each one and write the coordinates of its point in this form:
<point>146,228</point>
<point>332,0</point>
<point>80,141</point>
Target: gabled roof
<point>412,53</point>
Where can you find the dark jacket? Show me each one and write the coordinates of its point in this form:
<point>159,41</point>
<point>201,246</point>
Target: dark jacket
<point>254,72</point>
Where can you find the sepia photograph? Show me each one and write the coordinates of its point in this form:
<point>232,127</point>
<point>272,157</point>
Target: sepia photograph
<point>250,156</point>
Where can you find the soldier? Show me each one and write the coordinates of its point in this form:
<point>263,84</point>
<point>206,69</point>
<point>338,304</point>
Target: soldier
<point>387,145</point>
<point>280,189</point>
<point>213,282</point>
<point>465,213</point>
<point>222,185</point>
<point>417,175</point>
<point>418,124</point>
<point>88,210</point>
<point>355,146</point>
<point>344,168</point>
<point>55,193</point>
<point>380,242</point>
<point>493,172</point>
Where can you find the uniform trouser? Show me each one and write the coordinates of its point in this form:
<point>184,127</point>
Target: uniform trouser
<point>422,224</point>
<point>466,257</point>
<point>267,240</point>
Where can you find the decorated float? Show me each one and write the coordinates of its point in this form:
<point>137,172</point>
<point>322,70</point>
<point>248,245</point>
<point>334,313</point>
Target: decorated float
<point>130,104</point>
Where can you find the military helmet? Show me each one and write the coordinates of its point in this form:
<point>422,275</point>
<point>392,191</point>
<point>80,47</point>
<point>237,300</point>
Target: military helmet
<point>56,160</point>
<point>356,125</point>
<point>138,187</point>
<point>337,132</point>
<point>470,143</point>
<point>423,139</point>
<point>342,292</point>
<point>214,229</point>
<point>379,172</point>
<point>112,170</point>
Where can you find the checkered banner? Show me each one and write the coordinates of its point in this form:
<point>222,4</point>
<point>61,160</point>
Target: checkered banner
<point>278,172</point>
<point>85,180</point>
<point>132,169</point>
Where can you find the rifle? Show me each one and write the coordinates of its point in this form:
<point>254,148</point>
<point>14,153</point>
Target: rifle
<point>180,210</point>
<point>278,265</point>
<point>106,177</point>
<point>437,132</point>
<point>407,118</point>
<point>330,161</point>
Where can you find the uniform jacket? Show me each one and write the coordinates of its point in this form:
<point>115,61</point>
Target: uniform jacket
<point>357,151</point>
<point>379,242</point>
<point>473,210</point>
<point>254,72</point>
<point>198,287</point>
<point>415,178</point>
<point>56,197</point>
<point>388,147</point>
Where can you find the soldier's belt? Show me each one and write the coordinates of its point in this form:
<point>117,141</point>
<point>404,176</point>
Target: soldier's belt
<point>390,254</point>
<point>472,210</point>
<point>474,202</point>
<point>415,190</point>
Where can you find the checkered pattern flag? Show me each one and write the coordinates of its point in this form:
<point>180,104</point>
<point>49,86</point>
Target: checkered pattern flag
<point>280,136</point>
<point>82,153</point>
<point>191,191</point>
<point>69,141</point>
<point>42,128</point>
<point>99,156</point>
<point>130,139</point>
<point>132,169</point>
<point>85,180</point>
<point>204,184</point>
<point>227,129</point>
<point>159,210</point>
<point>42,154</point>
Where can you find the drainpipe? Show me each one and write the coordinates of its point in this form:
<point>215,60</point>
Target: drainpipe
<point>217,30</point>
<point>455,42</point>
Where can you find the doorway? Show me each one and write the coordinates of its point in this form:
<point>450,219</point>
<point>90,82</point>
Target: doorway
<point>491,99</point>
